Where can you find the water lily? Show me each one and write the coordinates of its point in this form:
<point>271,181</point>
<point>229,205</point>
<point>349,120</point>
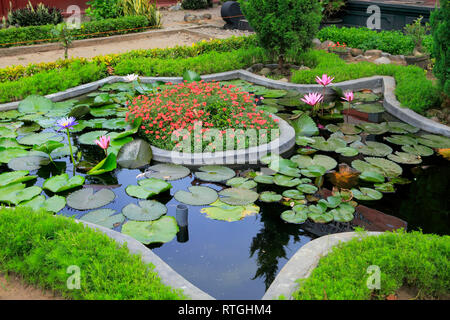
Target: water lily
<point>103,142</point>
<point>312,98</point>
<point>325,80</point>
<point>348,96</point>
<point>68,123</point>
<point>131,77</point>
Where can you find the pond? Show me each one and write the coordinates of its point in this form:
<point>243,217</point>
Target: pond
<point>239,259</point>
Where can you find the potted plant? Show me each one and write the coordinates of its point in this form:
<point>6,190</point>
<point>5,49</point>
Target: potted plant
<point>417,31</point>
<point>340,49</point>
<point>330,8</point>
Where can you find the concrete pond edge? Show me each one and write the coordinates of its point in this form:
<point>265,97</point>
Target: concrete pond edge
<point>303,262</point>
<point>168,276</point>
<point>390,102</point>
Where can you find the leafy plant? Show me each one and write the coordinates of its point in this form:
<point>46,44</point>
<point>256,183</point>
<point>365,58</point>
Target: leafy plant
<point>439,19</point>
<point>38,15</point>
<point>104,9</point>
<point>194,4</point>
<point>331,7</point>
<point>417,32</point>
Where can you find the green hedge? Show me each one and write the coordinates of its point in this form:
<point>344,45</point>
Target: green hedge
<point>413,89</point>
<point>393,42</point>
<point>40,247</point>
<point>414,259</point>
<point>31,35</point>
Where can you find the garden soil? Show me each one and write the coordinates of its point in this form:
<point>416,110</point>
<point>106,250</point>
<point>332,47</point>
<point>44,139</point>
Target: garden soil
<point>170,20</point>
<point>13,289</point>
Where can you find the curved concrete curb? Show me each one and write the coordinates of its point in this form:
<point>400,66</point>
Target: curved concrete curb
<point>391,104</point>
<point>168,276</point>
<point>303,262</point>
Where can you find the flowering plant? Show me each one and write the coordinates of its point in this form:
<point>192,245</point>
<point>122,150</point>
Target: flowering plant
<point>199,112</point>
<point>337,47</point>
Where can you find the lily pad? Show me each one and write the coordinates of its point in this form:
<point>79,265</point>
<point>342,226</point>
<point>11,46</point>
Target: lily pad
<point>269,196</point>
<point>63,151</point>
<point>148,188</point>
<point>401,127</point>
<point>372,176</point>
<point>134,154</point>
<point>418,150</point>
<point>28,163</point>
<point>370,108</point>
<point>314,171</point>
<point>286,181</point>
<point>215,173</point>
<point>53,204</point>
<point>285,166</point>
<point>328,145</point>
<point>40,138</point>
<point>62,183</point>
<point>87,199</point>
<point>224,212</point>
<point>90,137</point>
<point>305,126</point>
<point>147,210</point>
<point>294,194</point>
<point>389,168</point>
<point>17,193</point>
<point>434,141</point>
<point>372,148</point>
<point>10,143</point>
<point>366,194</point>
<point>15,177</point>
<point>373,128</point>
<point>343,213</point>
<point>106,165</point>
<point>387,187</point>
<point>320,217</point>
<point>347,151</point>
<point>296,215</point>
<point>167,171</point>
<point>197,196</point>
<point>8,154</point>
<point>104,217</point>
<point>241,182</point>
<point>402,140</point>
<point>264,179</point>
<point>238,197</point>
<point>161,230</point>
<point>48,146</point>
<point>321,160</point>
<point>307,188</point>
<point>23,130</point>
<point>406,158</point>
<point>35,104</point>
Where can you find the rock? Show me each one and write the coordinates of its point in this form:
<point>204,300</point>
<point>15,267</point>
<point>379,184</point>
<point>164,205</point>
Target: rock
<point>206,16</point>
<point>360,58</point>
<point>326,44</point>
<point>284,80</point>
<point>316,43</point>
<point>373,53</point>
<point>385,54</point>
<point>436,119</point>
<point>176,7</point>
<point>382,60</point>
<point>257,67</point>
<point>304,68</point>
<point>356,52</point>
<point>190,17</point>
<point>265,71</point>
<point>398,59</point>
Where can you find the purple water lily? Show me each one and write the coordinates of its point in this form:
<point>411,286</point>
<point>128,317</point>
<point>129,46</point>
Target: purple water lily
<point>66,123</point>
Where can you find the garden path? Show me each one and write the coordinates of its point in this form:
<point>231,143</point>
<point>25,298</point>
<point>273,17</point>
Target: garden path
<point>13,289</point>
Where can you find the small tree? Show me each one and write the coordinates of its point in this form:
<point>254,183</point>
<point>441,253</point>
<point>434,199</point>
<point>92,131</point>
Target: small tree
<point>62,32</point>
<point>417,32</point>
<point>440,29</point>
<point>283,26</point>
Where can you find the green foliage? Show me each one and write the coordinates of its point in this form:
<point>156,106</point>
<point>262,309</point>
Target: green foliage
<point>440,29</point>
<point>141,8</point>
<point>413,89</point>
<point>40,247</point>
<point>283,27</point>
<point>417,32</point>
<point>104,9</point>
<point>413,259</point>
<point>331,7</point>
<point>35,15</point>
<point>62,32</point>
<point>194,4</point>
<point>393,42</point>
<point>93,29</point>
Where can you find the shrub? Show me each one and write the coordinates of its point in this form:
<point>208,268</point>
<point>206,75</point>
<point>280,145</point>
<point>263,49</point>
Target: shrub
<point>188,111</point>
<point>141,8</point>
<point>283,26</point>
<point>104,9</point>
<point>413,89</point>
<point>417,32</point>
<point>440,29</point>
<point>40,247</point>
<point>413,259</point>
<point>35,15</point>
<point>194,4</point>
<point>393,42</point>
<point>102,28</point>
<point>331,7</point>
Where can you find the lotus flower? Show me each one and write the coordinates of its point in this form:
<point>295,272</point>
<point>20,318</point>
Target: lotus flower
<point>325,80</point>
<point>348,96</point>
<point>312,98</point>
<point>66,123</point>
<point>131,77</point>
<point>103,142</point>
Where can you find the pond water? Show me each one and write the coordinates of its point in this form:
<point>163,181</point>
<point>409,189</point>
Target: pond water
<point>240,259</point>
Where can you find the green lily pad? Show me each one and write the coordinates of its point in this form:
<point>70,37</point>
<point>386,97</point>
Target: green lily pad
<point>90,137</point>
<point>286,181</point>
<point>344,128</point>
<point>28,163</point>
<point>241,182</point>
<point>268,158</point>
<point>406,158</point>
<point>197,196</point>
<point>157,231</point>
<point>296,216</point>
<point>53,204</point>
<point>434,141</point>
<point>62,183</point>
<point>87,199</point>
<point>314,171</point>
<point>15,177</point>
<point>274,93</point>
<point>350,138</point>
<point>7,132</point>
<point>238,197</point>
<point>40,138</point>
<point>10,114</point>
<point>167,171</point>
<point>318,160</point>
<point>370,108</point>
<point>269,196</point>
<point>374,128</point>
<point>320,217</point>
<point>366,96</point>
<point>389,168</point>
<point>285,167</point>
<point>214,173</point>
<point>343,213</point>
<point>372,176</point>
<point>148,188</point>
<point>63,151</point>
<point>48,146</point>
<point>293,194</point>
<point>307,188</point>
<point>264,179</point>
<point>290,102</point>
<point>402,140</point>
<point>104,217</point>
<point>23,130</point>
<point>366,194</point>
<point>147,210</point>
<point>224,212</point>
<point>103,111</point>
<point>11,143</point>
<point>35,104</point>
<point>347,151</point>
<point>305,126</point>
<point>8,154</point>
<point>333,201</point>
<point>387,187</point>
<point>418,150</point>
<point>372,148</point>
<point>401,127</point>
<point>115,124</point>
<point>17,193</point>
<point>328,145</point>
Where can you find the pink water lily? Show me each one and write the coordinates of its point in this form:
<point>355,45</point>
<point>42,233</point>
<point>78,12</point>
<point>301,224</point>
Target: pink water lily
<point>103,142</point>
<point>312,98</point>
<point>348,96</point>
<point>325,80</point>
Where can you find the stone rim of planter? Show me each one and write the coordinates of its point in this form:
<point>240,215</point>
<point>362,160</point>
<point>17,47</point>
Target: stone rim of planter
<point>303,262</point>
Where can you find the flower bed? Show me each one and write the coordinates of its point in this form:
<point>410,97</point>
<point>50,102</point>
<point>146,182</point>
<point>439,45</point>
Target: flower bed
<point>197,111</point>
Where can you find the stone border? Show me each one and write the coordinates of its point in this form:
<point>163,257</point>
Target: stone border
<point>301,264</point>
<point>168,276</point>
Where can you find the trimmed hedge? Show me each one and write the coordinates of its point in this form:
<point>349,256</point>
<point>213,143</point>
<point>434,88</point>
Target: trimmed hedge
<point>393,42</point>
<point>42,34</point>
<point>413,89</point>
<point>413,259</point>
<point>40,247</point>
